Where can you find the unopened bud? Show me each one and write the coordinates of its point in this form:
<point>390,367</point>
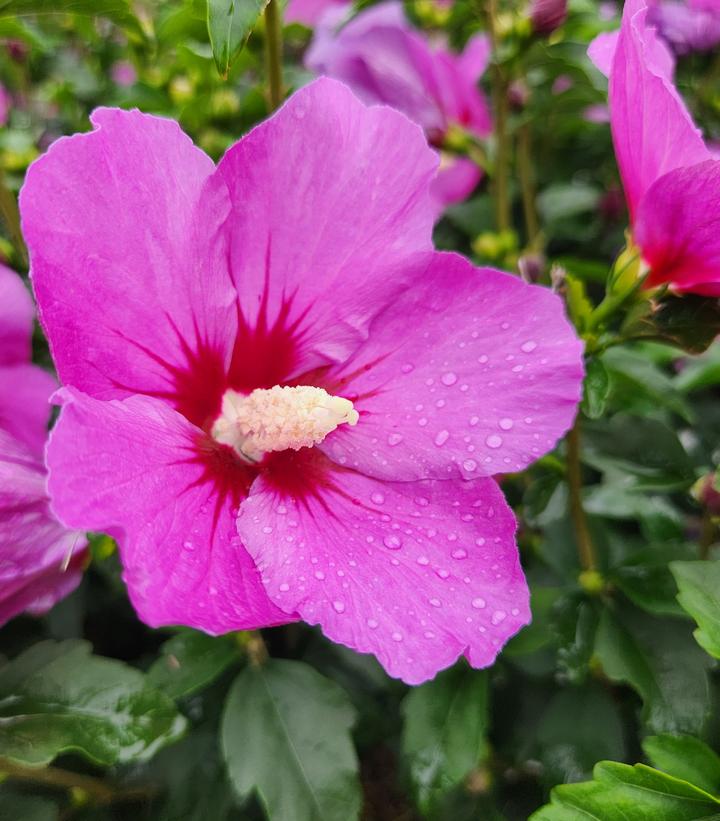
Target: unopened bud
<point>547,15</point>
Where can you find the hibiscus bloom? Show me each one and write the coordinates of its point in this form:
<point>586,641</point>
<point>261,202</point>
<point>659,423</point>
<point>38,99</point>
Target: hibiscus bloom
<point>40,561</point>
<point>687,26</point>
<point>280,401</point>
<point>384,60</point>
<point>311,12</point>
<point>671,179</point>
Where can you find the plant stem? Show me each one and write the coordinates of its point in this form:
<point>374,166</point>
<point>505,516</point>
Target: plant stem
<point>500,110</point>
<point>11,216</point>
<point>273,53</point>
<point>256,649</point>
<point>99,791</point>
<point>586,550</point>
<point>527,184</point>
<point>707,534</point>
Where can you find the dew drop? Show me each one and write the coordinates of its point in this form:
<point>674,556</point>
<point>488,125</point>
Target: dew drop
<point>460,553</point>
<point>470,465</point>
<point>449,378</point>
<point>372,624</point>
<point>478,603</point>
<point>423,560</point>
<point>319,575</point>
<point>494,441</point>
<point>474,420</point>
<point>422,421</point>
<point>498,616</point>
<point>529,346</point>
<point>267,529</point>
<point>188,546</point>
<point>429,634</point>
<point>338,606</point>
<point>377,498</point>
<point>482,359</point>
<point>392,542</point>
<point>442,573</point>
<point>435,602</point>
<point>407,368</point>
<point>442,437</point>
<point>397,636</point>
<point>506,424</point>
<point>394,439</point>
<point>284,587</point>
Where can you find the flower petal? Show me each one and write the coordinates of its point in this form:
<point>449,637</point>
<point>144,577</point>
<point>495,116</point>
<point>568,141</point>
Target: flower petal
<point>34,547</point>
<point>641,96</point>
<point>417,573</point>
<point>471,372</point>
<point>25,392</point>
<point>137,469</point>
<point>329,197</point>
<point>16,318</point>
<point>126,263</point>
<point>678,229</point>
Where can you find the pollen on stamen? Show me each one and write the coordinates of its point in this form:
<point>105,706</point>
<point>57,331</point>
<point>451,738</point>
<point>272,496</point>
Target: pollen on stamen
<point>280,418</point>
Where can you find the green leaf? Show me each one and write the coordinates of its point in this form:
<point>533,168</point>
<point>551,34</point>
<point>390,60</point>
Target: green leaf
<point>640,446</point>
<point>580,726</point>
<point>690,322</point>
<point>654,657</point>
<point>444,735</point>
<point>190,661</point>
<point>57,696</point>
<point>685,757</point>
<point>699,584</point>
<point>229,25</point>
<point>286,735</point>
<point>119,11</point>
<point>645,578</point>
<point>596,389</point>
<point>623,793</point>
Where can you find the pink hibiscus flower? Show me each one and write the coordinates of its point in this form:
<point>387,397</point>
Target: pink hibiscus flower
<point>692,25</point>
<point>384,60</point>
<point>671,179</point>
<point>40,561</point>
<point>280,401</point>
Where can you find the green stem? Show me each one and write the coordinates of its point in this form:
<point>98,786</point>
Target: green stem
<point>11,216</point>
<point>273,53</point>
<point>500,110</point>
<point>586,550</point>
<point>527,184</point>
<point>99,791</point>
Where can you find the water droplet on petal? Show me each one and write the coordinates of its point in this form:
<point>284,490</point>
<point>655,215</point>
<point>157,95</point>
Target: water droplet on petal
<point>392,542</point>
<point>423,560</point>
<point>394,439</point>
<point>478,603</point>
<point>498,616</point>
<point>407,368</point>
<point>442,437</point>
<point>319,575</point>
<point>372,624</point>
<point>506,423</point>
<point>338,606</point>
<point>267,529</point>
<point>377,498</point>
<point>435,602</point>
<point>459,554</point>
<point>494,441</point>
<point>449,378</point>
<point>188,546</point>
<point>284,587</point>
<point>470,465</point>
<point>529,346</point>
<point>397,636</point>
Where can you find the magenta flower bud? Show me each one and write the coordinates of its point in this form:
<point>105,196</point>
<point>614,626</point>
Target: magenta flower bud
<point>547,15</point>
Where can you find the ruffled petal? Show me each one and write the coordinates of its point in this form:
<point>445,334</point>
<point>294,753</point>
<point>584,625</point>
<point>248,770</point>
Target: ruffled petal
<point>25,392</point>
<point>138,470</point>
<point>678,229</point>
<point>127,265</point>
<point>417,573</point>
<point>329,197</point>
<point>471,372</point>
<point>642,96</point>
<point>16,318</point>
<point>40,561</point>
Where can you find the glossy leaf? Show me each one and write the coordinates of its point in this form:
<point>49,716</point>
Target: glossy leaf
<point>286,735</point>
<point>57,697</point>
<point>619,792</point>
<point>685,757</point>
<point>596,388</point>
<point>229,25</point>
<point>690,322</point>
<point>654,657</point>
<point>190,661</point>
<point>119,11</point>
<point>444,735</point>
<point>699,584</point>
